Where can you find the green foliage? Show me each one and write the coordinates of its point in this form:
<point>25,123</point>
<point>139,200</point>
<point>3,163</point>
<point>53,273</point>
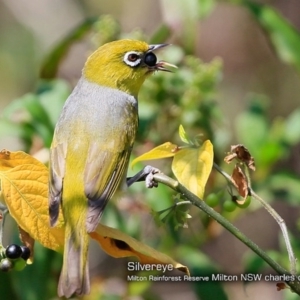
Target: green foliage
<point>187,97</point>
<point>31,116</point>
<point>51,63</point>
<point>285,38</point>
<point>203,266</point>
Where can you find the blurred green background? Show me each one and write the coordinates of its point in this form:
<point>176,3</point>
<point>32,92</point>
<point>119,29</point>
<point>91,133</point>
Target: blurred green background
<point>237,82</point>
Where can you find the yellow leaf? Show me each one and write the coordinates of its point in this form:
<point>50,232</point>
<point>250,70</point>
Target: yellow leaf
<point>118,244</point>
<point>24,188</point>
<point>192,167</point>
<point>165,150</point>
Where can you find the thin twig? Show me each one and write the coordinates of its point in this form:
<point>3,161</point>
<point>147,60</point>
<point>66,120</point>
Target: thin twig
<point>282,225</point>
<point>3,213</point>
<point>277,218</point>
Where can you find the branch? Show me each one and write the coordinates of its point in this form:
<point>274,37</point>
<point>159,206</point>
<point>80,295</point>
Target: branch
<point>176,186</point>
<point>275,215</point>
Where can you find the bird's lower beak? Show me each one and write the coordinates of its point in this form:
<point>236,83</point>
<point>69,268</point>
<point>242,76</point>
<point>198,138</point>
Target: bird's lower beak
<point>161,66</point>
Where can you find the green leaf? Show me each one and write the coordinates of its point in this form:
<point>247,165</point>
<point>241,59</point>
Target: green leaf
<point>285,186</point>
<point>268,153</point>
<point>186,13</point>
<point>161,34</point>
<point>252,127</point>
<point>202,265</point>
<point>50,66</point>
<point>183,135</point>
<point>7,128</point>
<point>206,7</point>
<point>52,95</point>
<point>35,114</point>
<point>254,263</point>
<point>285,37</point>
<point>34,119</point>
<point>292,128</point>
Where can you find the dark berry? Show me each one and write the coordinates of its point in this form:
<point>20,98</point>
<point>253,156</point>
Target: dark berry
<point>5,265</point>
<point>13,251</point>
<point>25,252</point>
<point>150,59</point>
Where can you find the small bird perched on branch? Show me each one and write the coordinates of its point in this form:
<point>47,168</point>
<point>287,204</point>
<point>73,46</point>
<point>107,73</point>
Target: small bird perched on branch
<point>91,147</point>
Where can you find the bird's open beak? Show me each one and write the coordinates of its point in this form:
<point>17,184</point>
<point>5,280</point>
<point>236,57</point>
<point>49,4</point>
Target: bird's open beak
<point>161,65</point>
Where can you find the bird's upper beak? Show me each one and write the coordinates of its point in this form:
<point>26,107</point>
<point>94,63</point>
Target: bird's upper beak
<point>161,65</point>
<point>156,46</point>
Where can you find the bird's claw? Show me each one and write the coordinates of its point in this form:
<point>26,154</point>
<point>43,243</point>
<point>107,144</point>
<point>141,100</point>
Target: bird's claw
<point>147,175</point>
<point>149,179</point>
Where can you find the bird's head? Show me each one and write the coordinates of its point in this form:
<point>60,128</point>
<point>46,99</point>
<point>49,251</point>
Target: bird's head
<point>124,65</point>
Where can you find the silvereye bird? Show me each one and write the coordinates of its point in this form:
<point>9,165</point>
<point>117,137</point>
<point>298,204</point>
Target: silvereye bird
<point>91,147</point>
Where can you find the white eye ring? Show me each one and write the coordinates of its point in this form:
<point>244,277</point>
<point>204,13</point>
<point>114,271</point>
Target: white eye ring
<point>132,58</point>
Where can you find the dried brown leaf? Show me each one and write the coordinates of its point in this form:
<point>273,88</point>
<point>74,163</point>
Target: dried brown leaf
<point>242,153</point>
<point>230,157</point>
<point>239,179</point>
<point>281,286</point>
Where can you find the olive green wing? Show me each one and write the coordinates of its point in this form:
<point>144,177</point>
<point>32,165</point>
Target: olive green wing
<point>104,172</point>
<point>57,164</point>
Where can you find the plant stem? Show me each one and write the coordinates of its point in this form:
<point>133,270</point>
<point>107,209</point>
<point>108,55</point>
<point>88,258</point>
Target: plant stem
<point>175,185</point>
<point>277,218</point>
<point>3,213</point>
<point>282,225</point>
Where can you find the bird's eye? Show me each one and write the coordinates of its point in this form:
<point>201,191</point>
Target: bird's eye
<point>132,58</point>
<point>150,59</point>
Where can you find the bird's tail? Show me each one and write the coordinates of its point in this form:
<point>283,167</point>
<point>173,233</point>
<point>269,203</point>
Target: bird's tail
<point>74,277</point>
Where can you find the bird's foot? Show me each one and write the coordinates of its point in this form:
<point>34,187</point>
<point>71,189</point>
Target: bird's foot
<point>147,175</point>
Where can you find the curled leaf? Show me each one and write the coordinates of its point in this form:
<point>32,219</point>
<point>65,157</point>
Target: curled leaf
<point>165,150</point>
<point>239,179</point>
<point>118,244</point>
<point>192,167</point>
<point>242,153</point>
<point>9,160</point>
